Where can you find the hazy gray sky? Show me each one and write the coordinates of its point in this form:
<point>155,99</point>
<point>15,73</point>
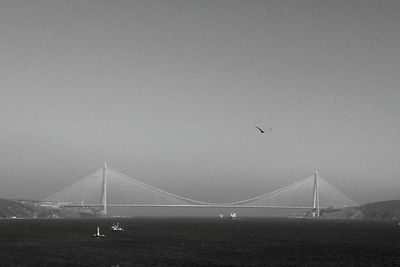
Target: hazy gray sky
<point>169,92</point>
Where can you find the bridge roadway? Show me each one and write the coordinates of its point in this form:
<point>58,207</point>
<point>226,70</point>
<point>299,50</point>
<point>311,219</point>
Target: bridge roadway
<point>192,206</point>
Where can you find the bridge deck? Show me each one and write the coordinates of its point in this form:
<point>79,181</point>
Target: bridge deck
<point>190,206</point>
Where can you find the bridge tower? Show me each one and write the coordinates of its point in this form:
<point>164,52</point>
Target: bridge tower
<point>104,191</point>
<point>315,211</point>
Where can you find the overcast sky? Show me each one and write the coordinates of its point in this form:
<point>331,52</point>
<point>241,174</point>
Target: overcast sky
<point>169,92</point>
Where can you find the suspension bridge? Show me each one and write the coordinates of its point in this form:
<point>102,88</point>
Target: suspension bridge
<point>109,188</point>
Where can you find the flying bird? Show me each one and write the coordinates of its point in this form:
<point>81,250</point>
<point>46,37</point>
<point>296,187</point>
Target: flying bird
<point>261,130</point>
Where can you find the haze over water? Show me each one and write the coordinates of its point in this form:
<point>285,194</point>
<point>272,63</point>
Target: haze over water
<point>169,92</point>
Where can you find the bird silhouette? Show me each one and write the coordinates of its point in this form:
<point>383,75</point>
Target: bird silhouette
<point>261,130</point>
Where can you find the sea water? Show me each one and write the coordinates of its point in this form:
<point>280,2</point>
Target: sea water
<point>217,241</point>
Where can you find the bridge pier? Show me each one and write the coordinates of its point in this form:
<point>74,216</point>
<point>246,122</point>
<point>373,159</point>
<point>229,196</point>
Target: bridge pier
<point>104,191</point>
<point>315,211</point>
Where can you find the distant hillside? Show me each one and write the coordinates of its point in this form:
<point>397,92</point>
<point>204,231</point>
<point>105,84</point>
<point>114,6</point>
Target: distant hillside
<point>381,210</point>
<point>345,213</point>
<point>10,208</point>
<point>31,209</point>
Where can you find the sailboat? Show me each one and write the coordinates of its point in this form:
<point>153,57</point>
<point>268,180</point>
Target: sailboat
<point>116,227</point>
<point>97,234</point>
<point>233,216</point>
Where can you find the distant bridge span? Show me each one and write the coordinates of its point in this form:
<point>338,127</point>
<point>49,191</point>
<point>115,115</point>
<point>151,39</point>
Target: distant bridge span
<point>109,188</point>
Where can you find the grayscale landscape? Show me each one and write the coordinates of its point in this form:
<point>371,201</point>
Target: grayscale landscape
<point>199,133</point>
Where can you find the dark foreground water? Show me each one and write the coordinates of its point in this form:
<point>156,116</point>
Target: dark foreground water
<point>200,242</point>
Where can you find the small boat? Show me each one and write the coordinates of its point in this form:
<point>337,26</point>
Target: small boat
<point>116,227</point>
<point>233,216</point>
<point>97,234</point>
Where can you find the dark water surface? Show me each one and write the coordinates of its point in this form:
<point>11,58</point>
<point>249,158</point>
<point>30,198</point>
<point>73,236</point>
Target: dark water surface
<point>199,242</point>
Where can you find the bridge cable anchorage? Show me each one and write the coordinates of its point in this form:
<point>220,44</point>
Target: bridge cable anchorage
<point>107,187</point>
